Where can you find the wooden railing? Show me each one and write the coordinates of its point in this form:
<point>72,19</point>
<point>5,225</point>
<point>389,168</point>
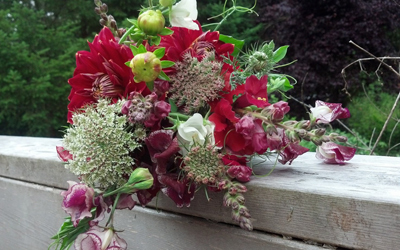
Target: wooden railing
<point>306,205</point>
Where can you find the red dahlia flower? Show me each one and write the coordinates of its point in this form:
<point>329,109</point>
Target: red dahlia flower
<point>195,42</point>
<point>101,72</point>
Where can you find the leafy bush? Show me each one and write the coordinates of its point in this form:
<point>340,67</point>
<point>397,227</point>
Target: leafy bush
<point>319,32</point>
<point>369,113</point>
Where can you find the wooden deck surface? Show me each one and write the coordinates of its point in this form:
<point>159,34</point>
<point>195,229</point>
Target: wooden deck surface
<point>354,206</point>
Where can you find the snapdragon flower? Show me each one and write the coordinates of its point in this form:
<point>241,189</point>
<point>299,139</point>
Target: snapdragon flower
<point>325,112</point>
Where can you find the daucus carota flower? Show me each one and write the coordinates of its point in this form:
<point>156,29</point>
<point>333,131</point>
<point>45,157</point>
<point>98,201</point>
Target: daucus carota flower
<point>203,164</point>
<point>183,13</point>
<point>195,82</point>
<point>138,108</point>
<point>333,153</point>
<point>325,112</point>
<point>100,145</point>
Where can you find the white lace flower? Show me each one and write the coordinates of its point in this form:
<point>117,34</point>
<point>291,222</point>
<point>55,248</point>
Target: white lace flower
<point>195,130</point>
<point>183,13</point>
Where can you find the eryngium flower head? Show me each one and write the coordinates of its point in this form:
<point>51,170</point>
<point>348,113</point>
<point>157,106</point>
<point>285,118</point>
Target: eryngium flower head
<point>100,145</point>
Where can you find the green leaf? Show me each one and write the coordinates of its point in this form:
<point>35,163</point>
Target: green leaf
<point>287,86</point>
<point>163,76</point>
<point>166,32</point>
<point>141,49</point>
<point>135,50</point>
<point>132,21</point>
<point>280,53</point>
<point>174,108</point>
<point>155,40</point>
<point>228,39</point>
<point>159,53</point>
<point>167,64</point>
<point>128,64</point>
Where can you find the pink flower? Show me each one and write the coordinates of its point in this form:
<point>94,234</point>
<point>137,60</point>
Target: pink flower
<point>325,112</point>
<point>180,191</point>
<point>276,111</point>
<point>333,153</point>
<point>97,238</point>
<point>245,126</point>
<point>64,154</point>
<point>78,201</point>
<point>237,168</point>
<point>289,150</point>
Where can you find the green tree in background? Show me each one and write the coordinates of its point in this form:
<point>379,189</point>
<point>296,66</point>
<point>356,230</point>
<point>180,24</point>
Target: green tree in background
<point>39,39</point>
<point>35,60</point>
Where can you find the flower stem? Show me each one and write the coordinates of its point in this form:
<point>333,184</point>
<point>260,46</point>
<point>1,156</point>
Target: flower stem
<point>179,115</point>
<point>111,218</point>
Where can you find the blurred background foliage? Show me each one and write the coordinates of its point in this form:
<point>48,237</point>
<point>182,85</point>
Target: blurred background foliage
<point>39,39</point>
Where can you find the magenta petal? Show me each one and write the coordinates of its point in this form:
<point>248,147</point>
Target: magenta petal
<point>87,241</point>
<point>78,201</point>
<point>333,153</point>
<point>126,201</point>
<point>63,154</point>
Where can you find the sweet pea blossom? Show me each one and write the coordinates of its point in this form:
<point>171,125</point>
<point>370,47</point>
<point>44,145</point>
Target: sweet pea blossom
<point>183,13</point>
<point>333,153</point>
<point>78,201</point>
<point>194,129</point>
<point>325,112</point>
<point>98,239</point>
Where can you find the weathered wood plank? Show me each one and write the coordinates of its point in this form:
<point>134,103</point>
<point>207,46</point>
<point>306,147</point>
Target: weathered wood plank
<point>355,206</point>
<point>34,160</point>
<point>31,214</point>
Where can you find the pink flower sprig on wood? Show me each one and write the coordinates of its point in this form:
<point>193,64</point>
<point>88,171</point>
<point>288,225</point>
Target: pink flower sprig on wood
<point>333,153</point>
<point>325,112</point>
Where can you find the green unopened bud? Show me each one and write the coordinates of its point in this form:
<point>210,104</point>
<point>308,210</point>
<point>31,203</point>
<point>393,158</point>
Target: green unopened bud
<point>146,67</point>
<point>151,22</point>
<point>166,3</point>
<point>143,184</point>
<point>138,175</point>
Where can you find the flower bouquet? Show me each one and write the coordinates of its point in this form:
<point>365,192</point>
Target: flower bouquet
<point>175,109</point>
